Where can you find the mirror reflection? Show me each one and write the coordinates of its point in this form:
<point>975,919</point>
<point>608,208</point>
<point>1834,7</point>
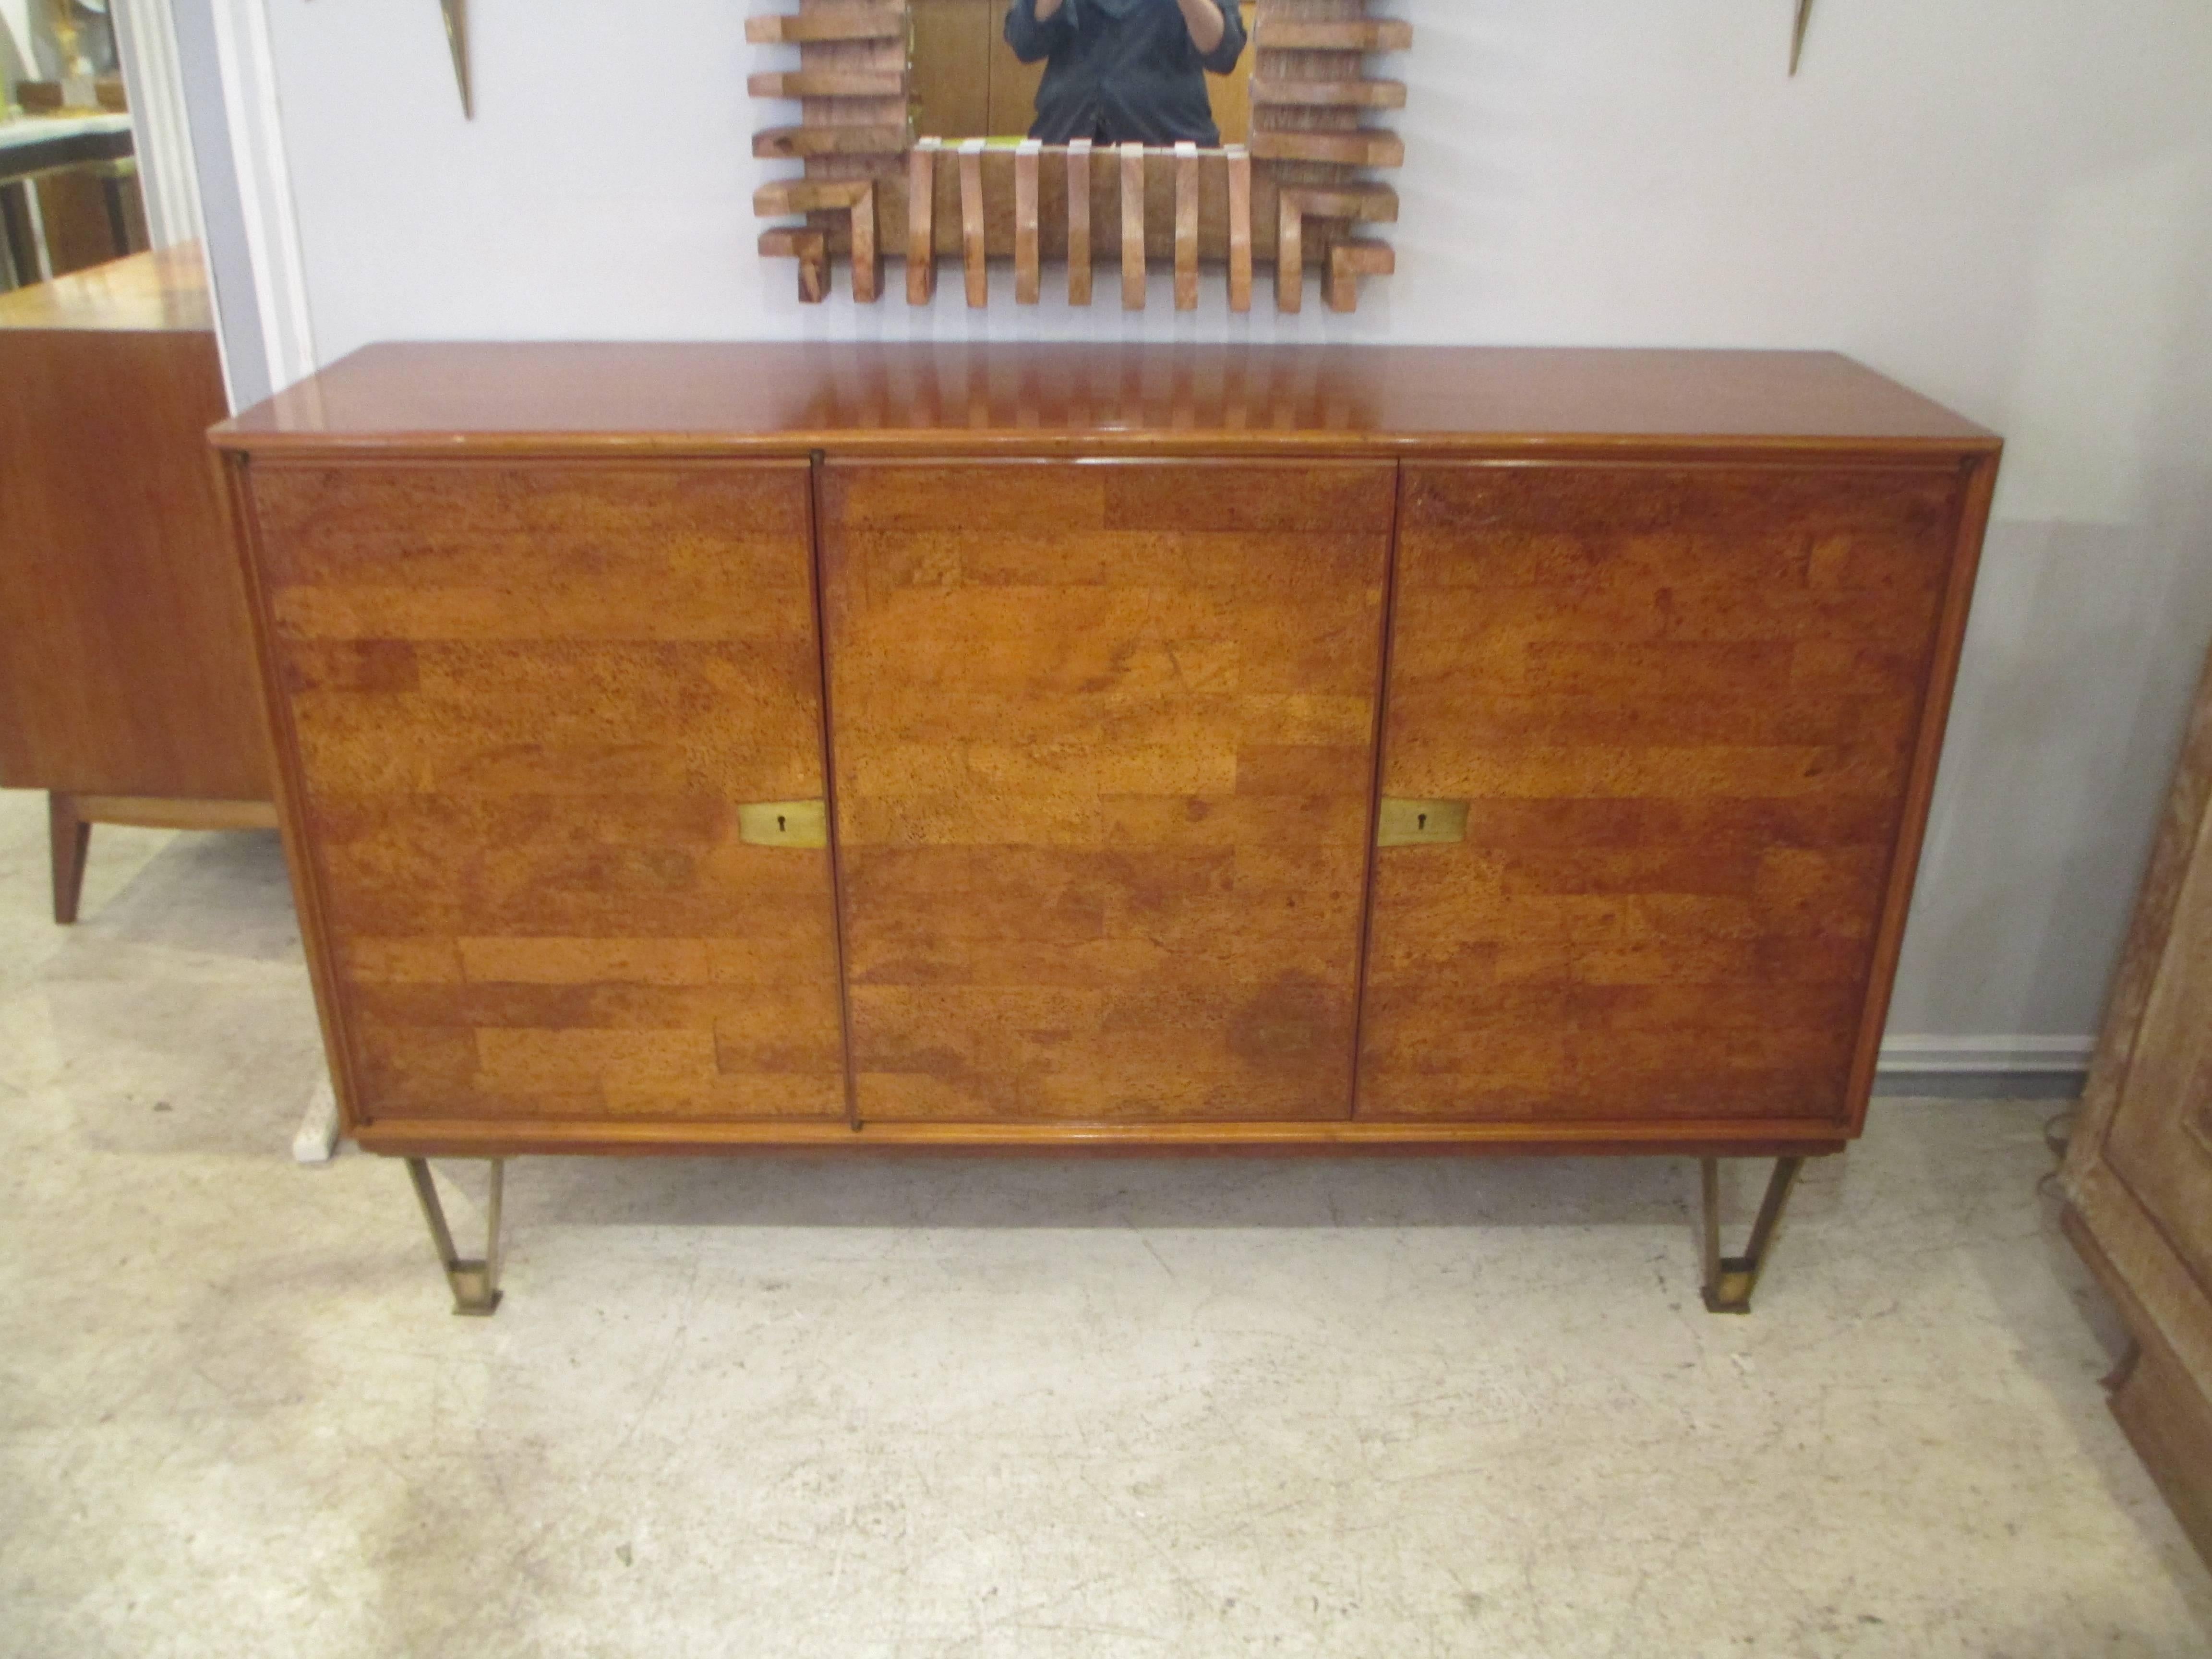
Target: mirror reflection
<point>1114,71</point>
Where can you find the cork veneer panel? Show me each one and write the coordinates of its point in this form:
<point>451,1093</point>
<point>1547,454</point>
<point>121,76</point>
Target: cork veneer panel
<point>1104,766</point>
<point>1682,703</point>
<point>527,699</point>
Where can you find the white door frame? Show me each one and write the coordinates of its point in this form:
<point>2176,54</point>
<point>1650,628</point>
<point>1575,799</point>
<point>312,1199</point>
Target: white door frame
<point>212,137</point>
<point>146,39</point>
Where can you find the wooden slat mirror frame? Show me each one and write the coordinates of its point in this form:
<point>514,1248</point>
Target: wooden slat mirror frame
<point>1300,195</point>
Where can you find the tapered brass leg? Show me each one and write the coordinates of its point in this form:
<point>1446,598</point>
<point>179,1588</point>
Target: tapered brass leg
<point>476,1283</point>
<point>1729,1280</point>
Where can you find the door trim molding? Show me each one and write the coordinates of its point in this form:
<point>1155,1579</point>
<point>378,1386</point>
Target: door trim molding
<point>146,37</point>
<point>265,179</point>
<point>252,230</point>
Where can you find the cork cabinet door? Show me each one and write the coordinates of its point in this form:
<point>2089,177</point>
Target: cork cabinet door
<point>1104,742</point>
<point>1659,721</point>
<point>525,705</point>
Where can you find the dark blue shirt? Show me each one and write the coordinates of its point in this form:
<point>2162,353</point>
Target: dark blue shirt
<point>1123,71</point>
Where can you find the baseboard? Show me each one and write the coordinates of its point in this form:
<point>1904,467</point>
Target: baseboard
<point>2002,1065</point>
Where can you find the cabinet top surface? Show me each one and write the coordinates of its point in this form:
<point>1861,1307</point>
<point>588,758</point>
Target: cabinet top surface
<point>162,292</point>
<point>1035,397</point>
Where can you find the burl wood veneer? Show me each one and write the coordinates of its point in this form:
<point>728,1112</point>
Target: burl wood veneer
<point>1104,754</point>
<point>1109,668</point>
<point>527,701</point>
<point>1680,702</point>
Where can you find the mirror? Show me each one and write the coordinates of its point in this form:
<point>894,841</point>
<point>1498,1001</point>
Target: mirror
<point>913,118</point>
<point>964,81</point>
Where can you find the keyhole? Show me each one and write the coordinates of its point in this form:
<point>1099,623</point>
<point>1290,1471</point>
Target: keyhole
<point>779,823</point>
<point>1424,820</point>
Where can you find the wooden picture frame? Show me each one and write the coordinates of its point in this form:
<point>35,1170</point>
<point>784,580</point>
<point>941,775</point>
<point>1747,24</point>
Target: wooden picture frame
<point>1301,195</point>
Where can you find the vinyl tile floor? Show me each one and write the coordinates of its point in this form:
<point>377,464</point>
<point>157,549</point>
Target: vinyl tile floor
<point>1037,1409</point>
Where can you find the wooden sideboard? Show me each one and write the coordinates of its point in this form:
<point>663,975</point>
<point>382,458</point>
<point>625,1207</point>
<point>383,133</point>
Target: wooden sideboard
<point>126,667</point>
<point>711,747</point>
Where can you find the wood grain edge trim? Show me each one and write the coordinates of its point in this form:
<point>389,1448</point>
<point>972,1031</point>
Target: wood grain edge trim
<point>2168,1418</point>
<point>2132,1259</point>
<point>837,909</point>
<point>1207,458</point>
<point>1379,740</point>
<point>2166,1412</point>
<point>1977,488</point>
<point>299,857</point>
<point>2180,828</point>
<point>462,1138</point>
<point>1937,454</point>
<point>175,812</point>
<point>2156,1267</point>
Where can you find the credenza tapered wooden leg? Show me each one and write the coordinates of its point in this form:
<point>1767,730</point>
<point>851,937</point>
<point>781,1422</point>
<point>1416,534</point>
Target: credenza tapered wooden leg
<point>72,840</point>
<point>70,819</point>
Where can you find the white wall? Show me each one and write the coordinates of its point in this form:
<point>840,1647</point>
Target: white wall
<point>2008,207</point>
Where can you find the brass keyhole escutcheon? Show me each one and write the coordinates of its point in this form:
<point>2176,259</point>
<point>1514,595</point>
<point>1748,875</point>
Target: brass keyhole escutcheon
<point>1420,823</point>
<point>798,823</point>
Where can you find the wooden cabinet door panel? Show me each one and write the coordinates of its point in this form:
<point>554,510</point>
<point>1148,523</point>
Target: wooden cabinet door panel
<point>524,703</point>
<point>1681,703</point>
<point>2139,1168</point>
<point>1104,742</point>
<point>2159,1142</point>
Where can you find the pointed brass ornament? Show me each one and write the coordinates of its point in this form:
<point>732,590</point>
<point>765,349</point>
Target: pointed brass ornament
<point>1797,39</point>
<point>457,41</point>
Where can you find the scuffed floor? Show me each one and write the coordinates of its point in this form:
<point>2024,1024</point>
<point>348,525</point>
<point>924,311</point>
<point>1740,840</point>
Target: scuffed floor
<point>1030,1409</point>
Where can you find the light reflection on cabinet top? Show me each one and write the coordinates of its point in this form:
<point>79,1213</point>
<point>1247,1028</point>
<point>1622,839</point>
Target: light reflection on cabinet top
<point>1039,398</point>
<point>162,292</point>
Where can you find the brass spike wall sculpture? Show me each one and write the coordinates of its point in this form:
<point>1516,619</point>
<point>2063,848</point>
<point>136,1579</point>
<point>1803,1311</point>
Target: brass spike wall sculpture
<point>457,44</point>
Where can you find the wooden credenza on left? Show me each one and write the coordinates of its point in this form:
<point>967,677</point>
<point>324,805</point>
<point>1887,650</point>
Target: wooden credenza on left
<point>127,688</point>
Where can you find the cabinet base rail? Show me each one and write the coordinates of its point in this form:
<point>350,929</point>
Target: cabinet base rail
<point>69,818</point>
<point>475,1282</point>
<point>1730,1280</point>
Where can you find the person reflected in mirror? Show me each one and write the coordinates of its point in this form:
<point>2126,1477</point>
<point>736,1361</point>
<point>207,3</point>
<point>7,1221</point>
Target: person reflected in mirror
<point>1127,71</point>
